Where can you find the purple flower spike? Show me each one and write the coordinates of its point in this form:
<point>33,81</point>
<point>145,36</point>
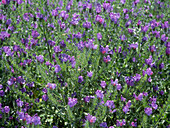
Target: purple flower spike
<point>164,38</point>
<point>99,94</point>
<point>110,104</point>
<point>80,79</point>
<point>36,119</point>
<point>90,118</point>
<point>119,87</point>
<point>103,84</point>
<point>89,74</point>
<point>118,123</point>
<point>40,58</point>
<point>35,34</point>
<point>99,36</point>
<point>45,97</point>
<point>6,109</point>
<point>72,102</point>
<point>148,111</point>
<point>57,68</point>
<point>149,71</point>
<point>125,109</point>
<point>103,125</point>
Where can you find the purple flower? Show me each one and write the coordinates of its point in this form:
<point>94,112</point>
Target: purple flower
<point>161,66</point>
<point>118,123</point>
<point>51,43</point>
<point>36,119</point>
<point>99,94</point>
<point>139,97</point>
<point>123,1</point>
<point>125,109</point>
<point>1,86</point>
<point>72,101</point>
<point>161,92</point>
<point>104,125</point>
<point>45,97</point>
<point>119,87</point>
<point>90,118</point>
<point>51,85</point>
<point>57,49</point>
<point>164,38</point>
<point>114,82</point>
<point>87,98</point>
<point>87,24</point>
<point>107,59</point>
<point>129,103</point>
<point>134,46</point>
<point>149,71</point>
<point>103,84</point>
<point>134,124</point>
<point>19,103</point>
<point>40,58</point>
<point>168,44</point>
<point>110,104</point>
<point>123,37</point>
<point>55,12</point>
<point>152,48</point>
<point>145,28</point>
<point>148,111</point>
<point>154,106</point>
<point>123,99</point>
<point>2,93</point>
<point>99,36</point>
<point>99,19</point>
<point>80,79</point>
<point>125,10</point>
<point>89,74</point>
<point>6,109</point>
<point>168,51</point>
<point>57,68</point>
<point>35,34</point>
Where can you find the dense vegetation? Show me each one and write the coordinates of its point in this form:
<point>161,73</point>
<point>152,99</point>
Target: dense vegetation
<point>89,64</point>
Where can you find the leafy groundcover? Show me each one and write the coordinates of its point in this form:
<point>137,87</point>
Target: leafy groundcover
<point>84,63</point>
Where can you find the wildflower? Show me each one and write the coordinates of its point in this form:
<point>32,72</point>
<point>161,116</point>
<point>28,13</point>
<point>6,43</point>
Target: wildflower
<point>35,34</point>
<point>2,93</point>
<point>40,58</point>
<point>110,104</point>
<point>134,124</point>
<point>89,74</point>
<point>148,111</point>
<point>120,123</point>
<point>134,46</point>
<point>19,103</point>
<point>119,87</point>
<point>45,97</point>
<point>57,68</point>
<point>99,94</point>
<point>139,97</point>
<point>164,38</point>
<point>36,119</point>
<point>80,79</point>
<point>125,109</point>
<point>123,99</point>
<point>72,102</point>
<point>87,98</point>
<point>6,109</point>
<point>114,82</point>
<point>90,118</point>
<point>104,125</point>
<point>99,36</point>
<point>149,71</point>
<point>57,49</point>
